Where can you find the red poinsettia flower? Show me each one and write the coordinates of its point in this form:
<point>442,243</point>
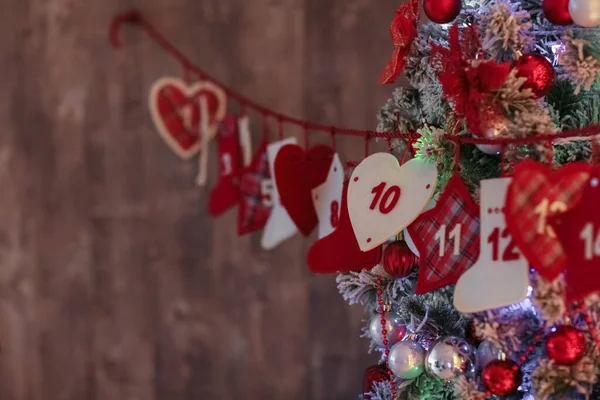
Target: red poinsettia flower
<point>466,80</point>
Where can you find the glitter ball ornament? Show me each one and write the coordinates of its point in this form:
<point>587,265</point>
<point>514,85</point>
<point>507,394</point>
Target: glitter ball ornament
<point>373,374</point>
<point>398,260</point>
<point>566,345</point>
<point>406,359</point>
<point>451,357</point>
<point>442,11</point>
<point>393,325</point>
<point>493,126</point>
<point>557,12</point>
<point>488,352</point>
<point>502,377</point>
<point>539,73</point>
<point>585,13</point>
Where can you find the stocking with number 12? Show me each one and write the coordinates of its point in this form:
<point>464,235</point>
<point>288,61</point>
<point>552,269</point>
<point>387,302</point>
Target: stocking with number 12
<point>500,277</point>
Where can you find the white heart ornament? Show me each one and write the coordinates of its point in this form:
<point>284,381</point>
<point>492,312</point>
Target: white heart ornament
<point>500,276</point>
<point>384,197</point>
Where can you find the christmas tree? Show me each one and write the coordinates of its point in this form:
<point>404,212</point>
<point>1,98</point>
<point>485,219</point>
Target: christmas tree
<point>500,69</point>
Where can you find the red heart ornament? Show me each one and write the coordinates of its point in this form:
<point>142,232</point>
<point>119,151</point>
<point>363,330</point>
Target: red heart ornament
<point>339,251</point>
<point>177,115</point>
<point>297,173</point>
<point>535,194</point>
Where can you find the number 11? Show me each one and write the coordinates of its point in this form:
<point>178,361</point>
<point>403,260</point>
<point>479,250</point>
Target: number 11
<point>454,236</point>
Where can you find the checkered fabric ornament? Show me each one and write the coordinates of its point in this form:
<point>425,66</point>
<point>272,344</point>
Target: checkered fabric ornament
<point>535,194</point>
<point>255,187</point>
<point>447,238</point>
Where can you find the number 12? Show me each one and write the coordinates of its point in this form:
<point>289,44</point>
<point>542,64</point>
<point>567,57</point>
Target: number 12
<point>510,253</point>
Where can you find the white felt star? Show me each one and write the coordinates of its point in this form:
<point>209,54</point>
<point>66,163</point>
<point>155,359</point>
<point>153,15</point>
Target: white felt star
<point>327,198</point>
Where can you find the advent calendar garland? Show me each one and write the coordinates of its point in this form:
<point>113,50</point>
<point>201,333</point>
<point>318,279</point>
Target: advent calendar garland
<point>533,239</point>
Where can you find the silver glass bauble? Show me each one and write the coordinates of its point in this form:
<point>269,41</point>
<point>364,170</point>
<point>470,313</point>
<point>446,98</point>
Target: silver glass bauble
<point>406,359</point>
<point>451,357</point>
<point>393,324</point>
<point>585,12</point>
<point>491,149</point>
<point>488,352</point>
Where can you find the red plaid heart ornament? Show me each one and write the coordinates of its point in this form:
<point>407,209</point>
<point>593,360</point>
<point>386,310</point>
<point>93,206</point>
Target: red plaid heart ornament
<point>535,194</point>
<point>297,173</point>
<point>447,238</point>
<point>176,112</point>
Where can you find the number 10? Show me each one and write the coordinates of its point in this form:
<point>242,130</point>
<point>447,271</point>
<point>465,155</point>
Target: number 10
<point>389,200</point>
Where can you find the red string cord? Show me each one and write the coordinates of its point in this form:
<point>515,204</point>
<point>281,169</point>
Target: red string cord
<point>135,17</point>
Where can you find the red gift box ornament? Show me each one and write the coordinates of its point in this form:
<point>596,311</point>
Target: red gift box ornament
<point>403,30</point>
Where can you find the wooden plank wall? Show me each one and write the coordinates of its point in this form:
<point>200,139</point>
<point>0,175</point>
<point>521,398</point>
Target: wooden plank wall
<point>114,283</point>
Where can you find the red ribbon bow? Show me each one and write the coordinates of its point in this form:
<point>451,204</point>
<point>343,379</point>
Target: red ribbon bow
<point>403,31</point>
<point>467,82</point>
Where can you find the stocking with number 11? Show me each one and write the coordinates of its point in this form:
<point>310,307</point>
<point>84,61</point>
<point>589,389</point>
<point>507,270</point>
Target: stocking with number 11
<point>447,238</point>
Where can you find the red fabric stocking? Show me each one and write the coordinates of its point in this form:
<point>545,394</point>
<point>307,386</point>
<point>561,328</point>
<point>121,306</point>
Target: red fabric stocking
<point>226,193</point>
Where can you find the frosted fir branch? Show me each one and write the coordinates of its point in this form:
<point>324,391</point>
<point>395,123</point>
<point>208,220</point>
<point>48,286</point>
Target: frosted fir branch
<point>578,65</point>
<point>382,391</point>
<point>549,299</point>
<point>432,144</point>
<point>503,336</point>
<point>513,97</point>
<point>550,379</point>
<point>466,390</point>
<point>401,112</point>
<point>506,27</point>
<point>531,122</point>
<point>359,287</point>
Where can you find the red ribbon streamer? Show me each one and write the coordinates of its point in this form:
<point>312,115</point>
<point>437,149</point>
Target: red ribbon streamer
<point>403,30</point>
<point>134,17</point>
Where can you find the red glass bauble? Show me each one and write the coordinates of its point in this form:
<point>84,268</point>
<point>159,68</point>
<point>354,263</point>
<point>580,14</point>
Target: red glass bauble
<point>471,334</point>
<point>442,11</point>
<point>375,373</point>
<point>566,345</point>
<point>398,260</point>
<point>557,12</point>
<point>539,72</point>
<point>502,377</point>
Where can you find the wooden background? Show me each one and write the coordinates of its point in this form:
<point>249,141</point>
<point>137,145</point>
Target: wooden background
<point>114,283</point>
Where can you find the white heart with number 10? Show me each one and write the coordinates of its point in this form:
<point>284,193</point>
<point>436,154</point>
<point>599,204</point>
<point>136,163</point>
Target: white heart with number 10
<point>384,197</point>
<point>500,276</point>
<point>327,198</point>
